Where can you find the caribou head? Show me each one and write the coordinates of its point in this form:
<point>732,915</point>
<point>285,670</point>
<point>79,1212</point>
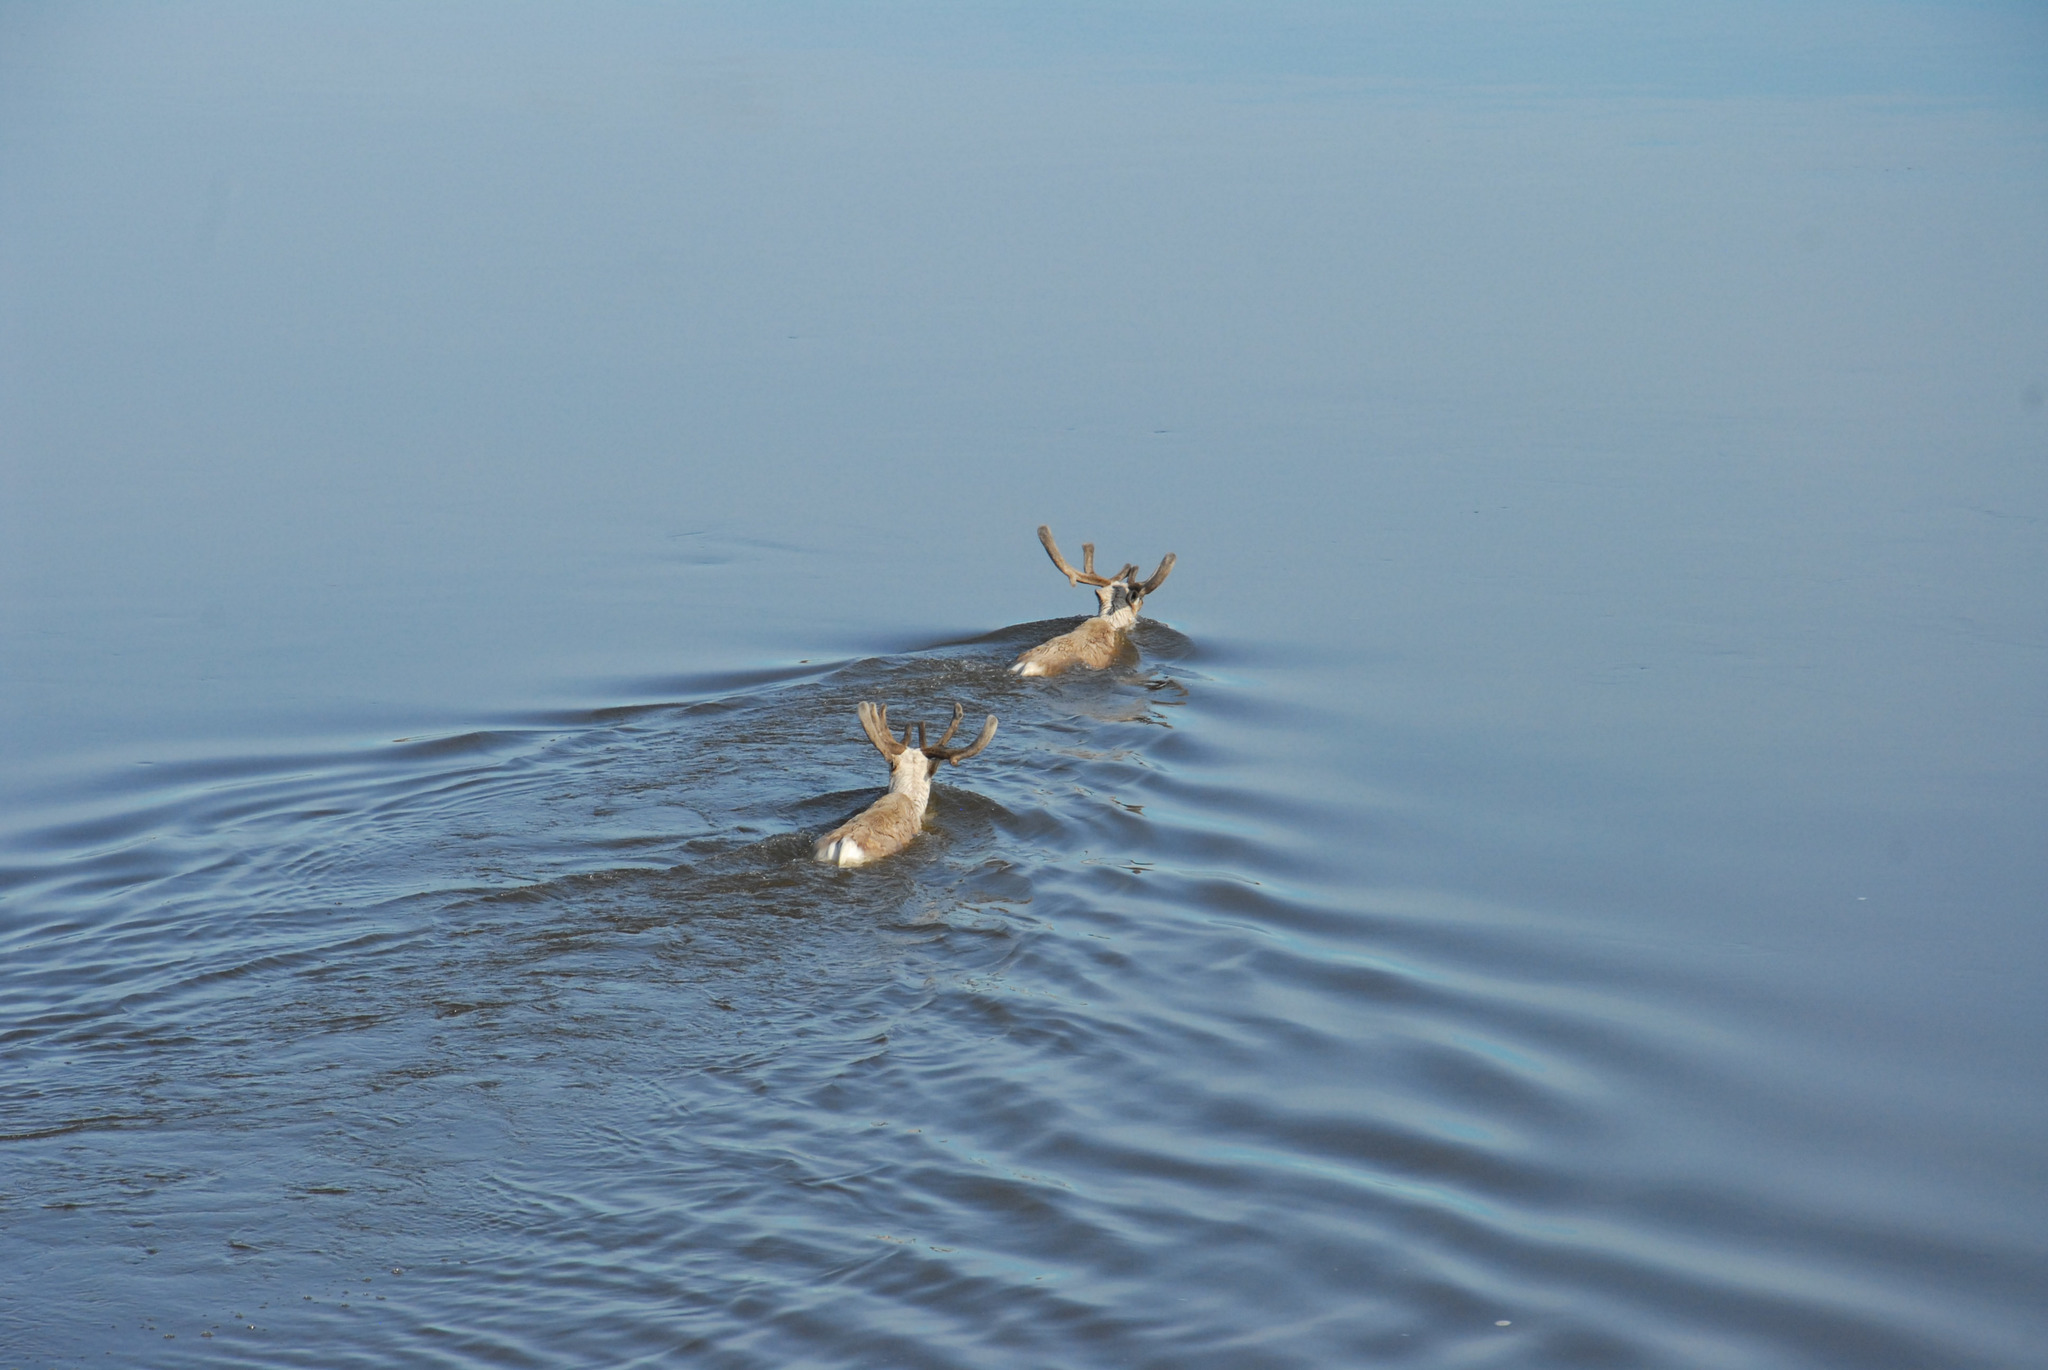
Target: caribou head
<point>890,823</point>
<point>1102,639</point>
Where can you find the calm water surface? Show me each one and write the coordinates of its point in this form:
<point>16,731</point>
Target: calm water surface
<point>1562,885</point>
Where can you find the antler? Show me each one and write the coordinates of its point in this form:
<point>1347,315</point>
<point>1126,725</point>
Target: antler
<point>956,755</point>
<point>1158,577</point>
<point>1086,575</point>
<point>874,721</point>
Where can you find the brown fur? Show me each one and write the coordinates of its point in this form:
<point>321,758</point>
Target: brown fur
<point>882,829</point>
<point>892,822</point>
<point>1104,640</point>
<point>1097,644</point>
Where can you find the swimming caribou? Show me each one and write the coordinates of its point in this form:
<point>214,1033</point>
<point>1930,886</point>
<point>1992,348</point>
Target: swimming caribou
<point>890,823</point>
<point>1099,641</point>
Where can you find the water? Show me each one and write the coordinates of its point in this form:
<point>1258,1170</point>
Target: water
<point>1560,887</point>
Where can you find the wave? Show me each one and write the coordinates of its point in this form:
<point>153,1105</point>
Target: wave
<point>545,1040</point>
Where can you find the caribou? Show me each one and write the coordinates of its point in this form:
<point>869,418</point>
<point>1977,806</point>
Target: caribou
<point>891,823</point>
<point>1099,641</point>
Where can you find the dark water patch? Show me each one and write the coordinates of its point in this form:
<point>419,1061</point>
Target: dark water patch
<point>325,1014</point>
<point>1120,1064</point>
<point>704,687</point>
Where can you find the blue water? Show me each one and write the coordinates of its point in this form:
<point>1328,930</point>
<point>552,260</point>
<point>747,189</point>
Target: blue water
<point>1560,886</point>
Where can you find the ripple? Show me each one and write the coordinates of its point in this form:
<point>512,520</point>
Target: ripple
<point>1122,1063</point>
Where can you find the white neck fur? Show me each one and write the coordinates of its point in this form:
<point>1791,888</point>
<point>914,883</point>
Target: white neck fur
<point>1116,607</point>
<point>910,773</point>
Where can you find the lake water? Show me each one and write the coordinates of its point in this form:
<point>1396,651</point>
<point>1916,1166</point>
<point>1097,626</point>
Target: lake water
<point>1563,885</point>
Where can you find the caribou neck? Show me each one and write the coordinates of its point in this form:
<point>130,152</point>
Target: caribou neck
<point>910,775</point>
